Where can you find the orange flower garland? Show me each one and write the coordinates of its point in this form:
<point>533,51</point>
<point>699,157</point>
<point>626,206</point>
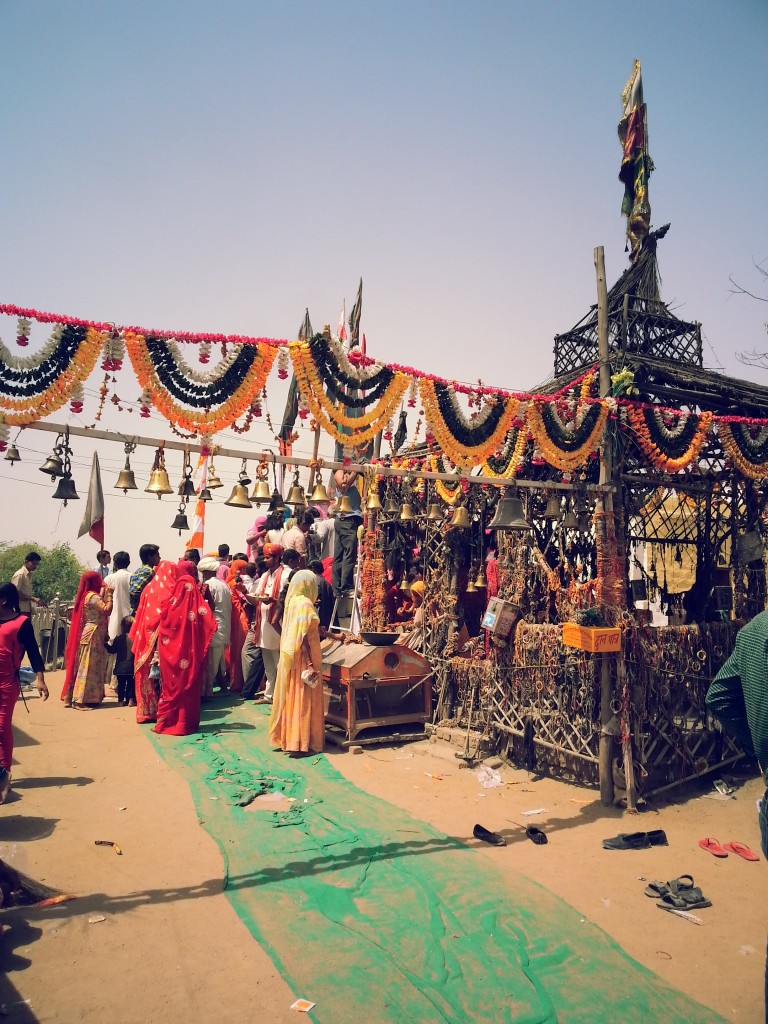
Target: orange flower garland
<point>556,456</point>
<point>637,420</point>
<point>515,459</point>
<point>464,456</point>
<point>23,411</point>
<point>209,421</point>
<point>751,470</point>
<point>330,415</point>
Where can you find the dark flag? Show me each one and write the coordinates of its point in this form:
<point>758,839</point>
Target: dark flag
<point>636,164</point>
<point>354,318</point>
<point>292,402</point>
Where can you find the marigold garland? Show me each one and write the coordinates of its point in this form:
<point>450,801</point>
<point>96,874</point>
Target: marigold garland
<point>466,444</point>
<point>746,445</point>
<point>450,493</point>
<point>332,416</point>
<point>510,459</point>
<point>85,344</point>
<point>206,421</point>
<point>566,446</point>
<point>668,446</point>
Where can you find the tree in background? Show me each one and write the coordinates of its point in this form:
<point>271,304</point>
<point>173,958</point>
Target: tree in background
<point>754,358</point>
<point>59,572</point>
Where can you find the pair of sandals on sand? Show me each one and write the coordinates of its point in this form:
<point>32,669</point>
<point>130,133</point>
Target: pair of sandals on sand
<point>678,894</point>
<point>740,849</point>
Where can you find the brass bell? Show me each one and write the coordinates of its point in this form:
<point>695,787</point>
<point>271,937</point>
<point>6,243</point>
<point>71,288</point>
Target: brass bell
<point>509,514</point>
<point>480,581</point>
<point>53,466</point>
<point>460,517</point>
<point>261,492</point>
<point>65,489</point>
<point>296,495</point>
<point>180,522</point>
<point>471,588</point>
<point>405,586</point>
<point>345,505</point>
<point>391,506</point>
<point>435,513</point>
<point>126,481</point>
<point>552,511</point>
<point>205,495</point>
<point>319,493</point>
<point>570,522</point>
<point>12,454</point>
<point>239,496</point>
<point>276,501</point>
<point>374,502</point>
<point>406,513</point>
<point>159,483</point>
<point>584,522</point>
<point>213,479</point>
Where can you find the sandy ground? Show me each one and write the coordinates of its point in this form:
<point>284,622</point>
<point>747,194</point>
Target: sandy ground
<point>171,947</point>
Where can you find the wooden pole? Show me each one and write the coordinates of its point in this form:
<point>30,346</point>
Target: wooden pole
<point>606,475</point>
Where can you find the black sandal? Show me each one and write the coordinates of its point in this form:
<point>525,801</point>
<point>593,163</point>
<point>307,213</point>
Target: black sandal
<point>488,837</point>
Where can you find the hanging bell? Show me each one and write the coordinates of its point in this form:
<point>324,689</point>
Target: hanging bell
<point>239,496</point>
<point>296,495</point>
<point>65,489</point>
<point>180,522</point>
<point>471,588</point>
<point>159,483</point>
<point>319,493</point>
<point>126,481</point>
<point>391,506</point>
<point>584,522</point>
<point>374,502</point>
<point>480,581</point>
<point>509,514</point>
<point>570,522</point>
<point>213,479</point>
<point>345,506</point>
<point>460,518</point>
<point>435,513</point>
<point>552,511</point>
<point>276,501</point>
<point>12,454</point>
<point>187,488</point>
<point>261,492</point>
<point>205,495</point>
<point>406,513</point>
<point>53,466</point>
<point>405,586</point>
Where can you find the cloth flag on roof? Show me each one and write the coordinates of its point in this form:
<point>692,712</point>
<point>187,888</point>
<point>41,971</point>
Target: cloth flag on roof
<point>292,402</point>
<point>354,318</point>
<point>93,518</point>
<point>197,540</point>
<point>342,335</point>
<point>636,164</point>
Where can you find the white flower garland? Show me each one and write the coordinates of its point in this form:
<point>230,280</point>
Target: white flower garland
<point>360,373</point>
<point>212,375</point>
<point>670,433</point>
<point>32,362</point>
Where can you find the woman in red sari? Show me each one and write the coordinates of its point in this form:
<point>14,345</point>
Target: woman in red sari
<point>144,631</point>
<point>85,657</point>
<point>186,628</point>
<point>239,627</point>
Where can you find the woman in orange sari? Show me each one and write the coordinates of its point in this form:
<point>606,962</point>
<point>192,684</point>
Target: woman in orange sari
<point>238,628</point>
<point>297,722</point>
<point>144,633</point>
<point>85,658</point>
<point>184,635</point>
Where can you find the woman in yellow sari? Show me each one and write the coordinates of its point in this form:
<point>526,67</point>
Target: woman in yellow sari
<point>297,722</point>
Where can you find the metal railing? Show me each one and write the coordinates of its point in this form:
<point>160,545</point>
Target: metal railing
<point>51,626</point>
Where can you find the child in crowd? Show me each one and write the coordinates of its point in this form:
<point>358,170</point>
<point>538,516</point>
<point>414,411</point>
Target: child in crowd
<point>122,648</point>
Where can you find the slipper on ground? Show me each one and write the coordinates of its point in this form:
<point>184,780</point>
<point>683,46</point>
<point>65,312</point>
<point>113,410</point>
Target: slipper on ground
<point>713,846</point>
<point>488,837</point>
<point>536,835</point>
<point>741,850</point>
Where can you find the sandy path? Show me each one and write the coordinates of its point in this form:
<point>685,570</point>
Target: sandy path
<point>171,945</point>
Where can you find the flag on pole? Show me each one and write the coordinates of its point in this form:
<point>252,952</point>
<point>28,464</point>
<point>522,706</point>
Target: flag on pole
<point>343,322</point>
<point>197,540</point>
<point>93,519</point>
<point>354,318</point>
<point>636,163</point>
<point>292,402</point>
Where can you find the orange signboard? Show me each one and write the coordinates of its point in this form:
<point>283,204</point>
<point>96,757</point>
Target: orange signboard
<point>597,639</point>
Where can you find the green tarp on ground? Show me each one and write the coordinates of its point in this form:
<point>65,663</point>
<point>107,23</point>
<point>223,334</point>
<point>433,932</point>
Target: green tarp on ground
<point>376,917</point>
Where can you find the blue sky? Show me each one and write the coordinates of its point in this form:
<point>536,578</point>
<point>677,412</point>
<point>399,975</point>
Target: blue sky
<point>221,167</point>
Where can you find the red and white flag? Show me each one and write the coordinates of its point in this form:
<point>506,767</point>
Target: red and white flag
<point>93,519</point>
<point>342,334</point>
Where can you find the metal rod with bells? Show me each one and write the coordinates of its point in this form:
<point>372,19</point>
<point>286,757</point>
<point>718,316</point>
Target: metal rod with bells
<point>159,483</point>
<point>126,481</point>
